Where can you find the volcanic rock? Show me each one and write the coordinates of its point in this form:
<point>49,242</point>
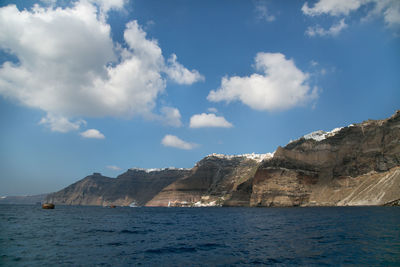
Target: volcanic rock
<point>354,165</point>
<point>134,186</point>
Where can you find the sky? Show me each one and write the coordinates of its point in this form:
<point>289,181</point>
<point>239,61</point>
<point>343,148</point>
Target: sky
<point>103,86</point>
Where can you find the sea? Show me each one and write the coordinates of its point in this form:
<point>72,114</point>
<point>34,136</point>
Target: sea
<point>123,236</point>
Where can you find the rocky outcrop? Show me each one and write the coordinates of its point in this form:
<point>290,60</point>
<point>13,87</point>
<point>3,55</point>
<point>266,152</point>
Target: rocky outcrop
<point>393,203</point>
<point>134,187</point>
<point>358,165</point>
<point>210,182</point>
<point>354,165</point>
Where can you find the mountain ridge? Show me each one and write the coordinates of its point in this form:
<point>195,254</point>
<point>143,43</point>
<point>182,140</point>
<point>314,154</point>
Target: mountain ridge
<point>346,166</point>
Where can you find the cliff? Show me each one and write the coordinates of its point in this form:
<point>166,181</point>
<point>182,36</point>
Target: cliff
<point>354,165</point>
<point>134,187</point>
<point>210,182</point>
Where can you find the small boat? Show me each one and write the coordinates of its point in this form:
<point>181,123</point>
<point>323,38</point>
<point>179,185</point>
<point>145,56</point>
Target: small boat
<point>48,206</point>
<point>113,206</point>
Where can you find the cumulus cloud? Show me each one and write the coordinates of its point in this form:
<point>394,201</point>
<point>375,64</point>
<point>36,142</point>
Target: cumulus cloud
<point>113,167</point>
<point>280,86</point>
<point>104,5</point>
<point>332,7</point>
<point>178,73</point>
<point>92,133</point>
<point>262,11</point>
<point>334,30</point>
<point>107,5</point>
<point>389,10</point>
<point>209,120</point>
<point>176,142</point>
<point>61,123</point>
<point>171,116</point>
<point>69,67</point>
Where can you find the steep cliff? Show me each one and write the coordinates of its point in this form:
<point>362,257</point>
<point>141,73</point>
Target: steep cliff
<point>354,165</point>
<point>136,187</point>
<point>210,182</point>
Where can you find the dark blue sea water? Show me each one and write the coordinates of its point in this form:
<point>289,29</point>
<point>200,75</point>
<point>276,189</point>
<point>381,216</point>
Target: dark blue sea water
<point>91,236</point>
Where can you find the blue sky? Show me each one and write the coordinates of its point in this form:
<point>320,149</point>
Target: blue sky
<point>103,86</point>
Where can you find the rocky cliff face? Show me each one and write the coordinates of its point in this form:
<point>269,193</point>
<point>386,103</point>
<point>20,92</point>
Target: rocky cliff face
<point>210,182</point>
<point>134,187</point>
<point>355,165</point>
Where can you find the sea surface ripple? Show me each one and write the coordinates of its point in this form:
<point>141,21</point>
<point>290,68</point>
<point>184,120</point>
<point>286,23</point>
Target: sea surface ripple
<point>97,236</point>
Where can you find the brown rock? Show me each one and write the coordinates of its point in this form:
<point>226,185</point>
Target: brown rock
<point>134,186</point>
<point>356,166</point>
<point>212,179</point>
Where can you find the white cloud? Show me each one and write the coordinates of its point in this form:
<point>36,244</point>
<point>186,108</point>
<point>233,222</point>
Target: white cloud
<point>332,7</point>
<point>113,168</point>
<point>171,116</point>
<point>281,86</point>
<point>213,110</point>
<point>391,13</point>
<point>178,73</point>
<point>262,11</point>
<point>334,30</point>
<point>208,120</point>
<point>92,133</point>
<point>61,124</point>
<point>174,141</point>
<point>69,66</point>
<point>389,10</point>
<point>107,5</point>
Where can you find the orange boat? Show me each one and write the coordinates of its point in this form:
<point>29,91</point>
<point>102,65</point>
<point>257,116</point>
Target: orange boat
<point>47,206</point>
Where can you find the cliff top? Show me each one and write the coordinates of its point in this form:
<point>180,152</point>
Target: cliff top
<point>253,156</point>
